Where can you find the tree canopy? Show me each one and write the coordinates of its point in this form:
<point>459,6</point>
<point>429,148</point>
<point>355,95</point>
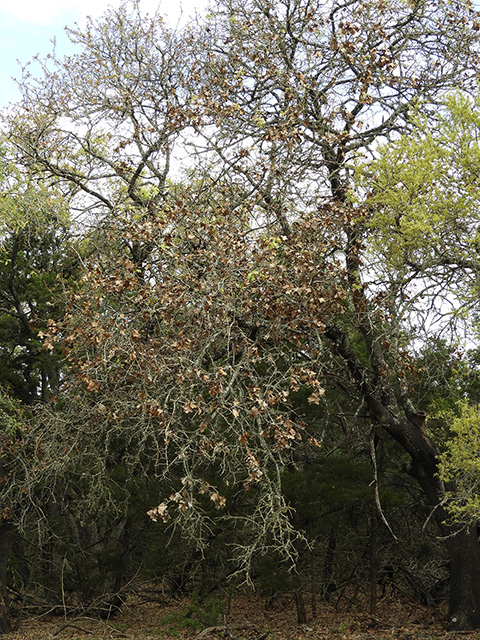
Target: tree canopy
<point>273,215</point>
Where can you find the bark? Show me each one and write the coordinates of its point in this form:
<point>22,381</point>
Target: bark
<point>7,534</point>
<point>462,543</point>
<point>464,556</point>
<point>464,599</point>
<point>407,426</point>
<point>300,604</point>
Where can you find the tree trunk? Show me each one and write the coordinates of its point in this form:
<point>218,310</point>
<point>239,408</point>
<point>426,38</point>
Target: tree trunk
<point>300,604</point>
<point>464,599</point>
<point>462,546</point>
<point>399,419</point>
<point>373,564</point>
<point>7,534</point>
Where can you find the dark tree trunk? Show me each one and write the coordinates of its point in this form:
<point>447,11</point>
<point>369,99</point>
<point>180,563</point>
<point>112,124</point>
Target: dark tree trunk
<point>300,604</point>
<point>399,419</point>
<point>464,556</point>
<point>7,534</point>
<point>464,599</point>
<point>462,543</point>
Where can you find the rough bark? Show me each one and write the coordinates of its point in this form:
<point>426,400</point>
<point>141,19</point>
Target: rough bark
<point>300,604</point>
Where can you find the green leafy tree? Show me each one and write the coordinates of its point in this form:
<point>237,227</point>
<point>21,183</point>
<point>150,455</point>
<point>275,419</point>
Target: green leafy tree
<point>14,422</point>
<point>459,466</point>
<point>423,194</point>
<point>35,270</point>
<point>37,262</point>
<point>423,225</point>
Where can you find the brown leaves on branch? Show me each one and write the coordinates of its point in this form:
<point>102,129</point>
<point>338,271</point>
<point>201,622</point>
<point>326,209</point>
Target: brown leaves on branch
<point>193,358</point>
<point>217,306</point>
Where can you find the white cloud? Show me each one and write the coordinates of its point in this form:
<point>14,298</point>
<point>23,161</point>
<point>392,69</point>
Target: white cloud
<point>53,12</point>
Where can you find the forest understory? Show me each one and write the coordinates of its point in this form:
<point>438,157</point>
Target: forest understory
<point>146,613</point>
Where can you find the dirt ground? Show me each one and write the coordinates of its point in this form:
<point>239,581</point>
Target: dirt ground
<point>147,615</point>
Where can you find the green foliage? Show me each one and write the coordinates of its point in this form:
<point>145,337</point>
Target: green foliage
<point>25,202</point>
<point>441,377</point>
<point>274,577</point>
<point>423,188</point>
<point>219,326</point>
<point>35,268</point>
<point>12,416</point>
<point>460,464</point>
<point>200,614</point>
<point>328,484</point>
<point>14,425</point>
<point>38,263</point>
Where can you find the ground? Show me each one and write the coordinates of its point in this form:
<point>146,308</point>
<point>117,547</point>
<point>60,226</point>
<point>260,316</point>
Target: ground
<point>148,615</point>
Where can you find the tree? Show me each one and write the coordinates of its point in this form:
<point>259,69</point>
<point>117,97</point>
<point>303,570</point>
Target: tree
<point>110,115</point>
<point>427,181</point>
<point>424,190</point>
<point>38,263</point>
<point>14,420</point>
<point>438,169</point>
<point>216,301</point>
<point>459,465</point>
<point>307,123</point>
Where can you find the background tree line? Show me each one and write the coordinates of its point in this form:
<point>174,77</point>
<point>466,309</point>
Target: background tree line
<point>238,308</point>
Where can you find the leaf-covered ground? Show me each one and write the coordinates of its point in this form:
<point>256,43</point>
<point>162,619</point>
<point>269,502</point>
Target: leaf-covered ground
<point>147,615</point>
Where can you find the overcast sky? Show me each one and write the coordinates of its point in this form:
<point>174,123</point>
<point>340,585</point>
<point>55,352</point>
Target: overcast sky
<point>27,28</point>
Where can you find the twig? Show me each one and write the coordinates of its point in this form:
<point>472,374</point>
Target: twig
<point>375,483</point>
<point>225,628</point>
<point>70,624</point>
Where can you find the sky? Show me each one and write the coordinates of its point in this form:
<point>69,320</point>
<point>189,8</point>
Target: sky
<point>27,28</point>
